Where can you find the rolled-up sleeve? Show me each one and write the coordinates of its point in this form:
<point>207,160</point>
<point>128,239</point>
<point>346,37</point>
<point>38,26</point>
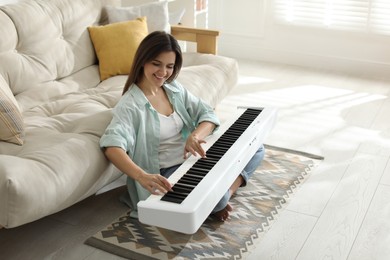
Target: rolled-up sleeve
<point>118,133</point>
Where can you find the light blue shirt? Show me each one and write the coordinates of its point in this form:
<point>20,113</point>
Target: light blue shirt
<point>135,127</point>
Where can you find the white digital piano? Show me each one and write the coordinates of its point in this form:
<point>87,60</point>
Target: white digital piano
<point>200,183</point>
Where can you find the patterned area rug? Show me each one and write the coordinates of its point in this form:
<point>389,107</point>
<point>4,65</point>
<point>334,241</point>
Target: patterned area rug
<point>255,207</point>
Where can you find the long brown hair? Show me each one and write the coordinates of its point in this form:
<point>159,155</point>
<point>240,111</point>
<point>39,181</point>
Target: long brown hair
<point>150,47</point>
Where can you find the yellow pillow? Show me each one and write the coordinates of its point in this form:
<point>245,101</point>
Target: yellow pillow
<point>115,45</point>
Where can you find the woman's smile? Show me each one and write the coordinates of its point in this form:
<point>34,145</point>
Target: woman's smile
<point>157,71</point>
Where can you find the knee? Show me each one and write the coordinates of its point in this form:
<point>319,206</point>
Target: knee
<point>259,155</point>
<point>252,165</point>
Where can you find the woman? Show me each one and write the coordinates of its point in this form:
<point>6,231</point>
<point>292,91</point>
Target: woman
<point>157,123</point>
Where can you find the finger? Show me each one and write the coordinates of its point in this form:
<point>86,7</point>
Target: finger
<point>165,183</point>
<point>200,151</point>
<point>202,141</point>
<point>191,151</point>
<point>157,189</point>
<point>153,189</point>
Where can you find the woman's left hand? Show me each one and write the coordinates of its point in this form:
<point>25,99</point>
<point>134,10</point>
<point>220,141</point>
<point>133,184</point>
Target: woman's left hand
<point>193,146</point>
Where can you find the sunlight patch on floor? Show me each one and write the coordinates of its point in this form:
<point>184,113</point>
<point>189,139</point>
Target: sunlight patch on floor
<point>309,114</point>
<point>309,98</point>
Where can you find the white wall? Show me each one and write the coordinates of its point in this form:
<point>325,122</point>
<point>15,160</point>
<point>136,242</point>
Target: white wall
<point>248,31</point>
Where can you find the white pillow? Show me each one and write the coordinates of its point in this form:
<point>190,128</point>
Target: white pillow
<point>157,16</point>
<point>175,17</point>
<point>11,120</point>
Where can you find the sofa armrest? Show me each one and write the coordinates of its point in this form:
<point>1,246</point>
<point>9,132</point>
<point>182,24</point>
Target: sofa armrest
<point>205,39</point>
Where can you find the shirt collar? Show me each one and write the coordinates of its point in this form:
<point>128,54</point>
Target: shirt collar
<point>140,97</point>
<point>171,87</point>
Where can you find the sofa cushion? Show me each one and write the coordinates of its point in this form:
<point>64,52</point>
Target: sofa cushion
<point>157,14</point>
<point>11,121</point>
<point>115,45</point>
<point>208,76</point>
<point>60,162</point>
<point>48,42</point>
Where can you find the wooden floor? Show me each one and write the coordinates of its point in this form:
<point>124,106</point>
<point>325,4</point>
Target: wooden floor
<point>341,212</point>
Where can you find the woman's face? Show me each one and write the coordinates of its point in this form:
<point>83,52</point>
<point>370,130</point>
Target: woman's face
<point>157,71</point>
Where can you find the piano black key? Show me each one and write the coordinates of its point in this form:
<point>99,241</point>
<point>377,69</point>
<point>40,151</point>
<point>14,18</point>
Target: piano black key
<point>228,139</point>
<point>199,170</point>
<point>189,181</point>
<point>207,166</point>
<point>196,172</point>
<point>257,111</point>
<point>234,132</point>
<point>218,149</point>
<point>246,116</point>
<point>239,126</point>
<point>179,189</point>
<point>192,177</point>
<point>212,158</point>
<point>203,165</point>
<point>189,176</point>
<point>208,161</point>
<point>215,154</point>
<point>185,187</point>
<point>174,197</point>
<point>222,143</point>
<point>180,195</point>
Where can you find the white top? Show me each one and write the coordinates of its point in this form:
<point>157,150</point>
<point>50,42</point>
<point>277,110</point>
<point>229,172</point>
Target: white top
<point>171,149</point>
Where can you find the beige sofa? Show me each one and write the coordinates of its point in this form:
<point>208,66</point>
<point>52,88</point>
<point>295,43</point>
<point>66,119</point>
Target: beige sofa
<point>56,107</point>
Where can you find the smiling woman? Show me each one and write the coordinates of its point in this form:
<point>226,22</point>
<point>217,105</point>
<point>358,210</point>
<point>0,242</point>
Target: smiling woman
<point>156,72</point>
<point>133,141</point>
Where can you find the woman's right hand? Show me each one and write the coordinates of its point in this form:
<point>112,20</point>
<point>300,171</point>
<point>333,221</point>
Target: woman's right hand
<point>154,183</point>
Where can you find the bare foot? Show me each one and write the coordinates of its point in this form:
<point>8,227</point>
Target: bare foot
<point>223,214</point>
